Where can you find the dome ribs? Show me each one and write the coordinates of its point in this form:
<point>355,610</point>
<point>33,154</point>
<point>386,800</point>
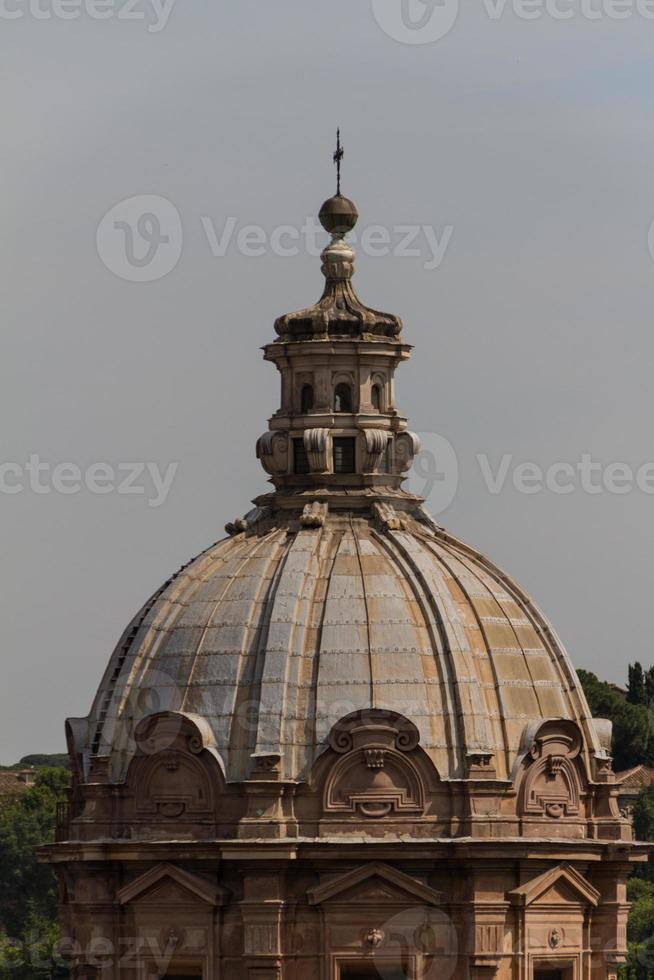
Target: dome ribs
<point>402,548</point>
<point>312,744</point>
<point>472,714</point>
<point>127,654</point>
<point>497,716</point>
<point>229,684</point>
<point>344,666</point>
<point>371,668</point>
<point>543,709</point>
<point>280,658</point>
<point>552,645</point>
<point>275,633</point>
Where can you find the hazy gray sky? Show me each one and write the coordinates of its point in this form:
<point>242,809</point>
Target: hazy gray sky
<point>528,144</point>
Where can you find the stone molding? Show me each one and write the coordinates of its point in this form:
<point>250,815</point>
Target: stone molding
<point>202,889</point>
<point>335,888</point>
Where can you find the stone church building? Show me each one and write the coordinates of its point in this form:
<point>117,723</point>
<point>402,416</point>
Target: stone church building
<point>341,744</point>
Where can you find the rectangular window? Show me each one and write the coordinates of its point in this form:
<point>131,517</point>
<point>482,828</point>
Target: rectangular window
<point>344,455</point>
<point>300,458</point>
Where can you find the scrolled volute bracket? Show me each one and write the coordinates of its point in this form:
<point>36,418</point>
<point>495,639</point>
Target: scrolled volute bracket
<point>407,447</point>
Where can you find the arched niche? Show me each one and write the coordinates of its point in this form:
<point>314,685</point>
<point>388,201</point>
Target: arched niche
<point>551,779</point>
<point>378,392</point>
<point>372,771</point>
<point>343,398</point>
<point>306,398</point>
<point>175,777</point>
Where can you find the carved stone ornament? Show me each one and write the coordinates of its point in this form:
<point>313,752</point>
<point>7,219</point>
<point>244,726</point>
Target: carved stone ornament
<point>387,517</point>
<point>172,938</point>
<point>266,765</point>
<point>480,764</point>
<point>407,447</point>
<point>169,779</point>
<point>375,776</point>
<point>236,526</point>
<point>339,311</point>
<point>375,758</point>
<point>314,514</point>
<point>249,520</point>
<point>375,938</point>
<point>551,784</point>
<point>376,442</point>
<point>316,443</point>
<point>555,938</point>
<point>272,452</point>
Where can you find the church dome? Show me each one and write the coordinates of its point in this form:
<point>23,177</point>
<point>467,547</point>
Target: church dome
<point>338,593</point>
<point>275,633</point>
<point>340,742</point>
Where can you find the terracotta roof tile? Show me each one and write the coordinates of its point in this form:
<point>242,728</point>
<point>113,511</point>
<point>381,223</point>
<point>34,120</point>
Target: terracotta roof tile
<point>14,781</point>
<point>636,778</point>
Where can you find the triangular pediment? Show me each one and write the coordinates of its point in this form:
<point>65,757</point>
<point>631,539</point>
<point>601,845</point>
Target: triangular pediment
<point>376,892</point>
<point>560,893</point>
<point>168,893</point>
<point>562,885</point>
<point>168,884</point>
<point>374,883</point>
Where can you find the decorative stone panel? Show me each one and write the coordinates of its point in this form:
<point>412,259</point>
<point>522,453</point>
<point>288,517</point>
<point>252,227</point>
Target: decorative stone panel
<point>272,452</point>
<point>375,777</point>
<point>551,784</point>
<point>316,443</point>
<point>375,443</point>
<point>407,447</point>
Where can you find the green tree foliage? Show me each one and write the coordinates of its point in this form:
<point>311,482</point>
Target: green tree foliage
<point>28,890</point>
<point>640,930</point>
<point>636,690</point>
<point>633,737</point>
<point>53,760</point>
<point>643,816</point>
<point>58,760</point>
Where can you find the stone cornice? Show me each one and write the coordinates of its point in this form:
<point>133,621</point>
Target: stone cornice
<point>311,849</point>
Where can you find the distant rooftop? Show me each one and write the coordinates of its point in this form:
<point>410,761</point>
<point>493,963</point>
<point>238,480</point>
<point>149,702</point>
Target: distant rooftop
<point>15,781</point>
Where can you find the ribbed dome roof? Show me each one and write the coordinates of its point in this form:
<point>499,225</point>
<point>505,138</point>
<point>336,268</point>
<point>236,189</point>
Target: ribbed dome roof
<point>274,634</point>
<point>338,593</point>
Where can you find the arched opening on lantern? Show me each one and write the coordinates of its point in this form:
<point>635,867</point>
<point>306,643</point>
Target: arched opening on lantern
<point>376,397</point>
<point>342,397</point>
<point>306,399</point>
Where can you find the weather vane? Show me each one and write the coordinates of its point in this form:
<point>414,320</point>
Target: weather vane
<point>338,156</point>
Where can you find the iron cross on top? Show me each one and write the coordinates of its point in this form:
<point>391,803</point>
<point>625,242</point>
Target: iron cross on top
<point>338,156</point>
